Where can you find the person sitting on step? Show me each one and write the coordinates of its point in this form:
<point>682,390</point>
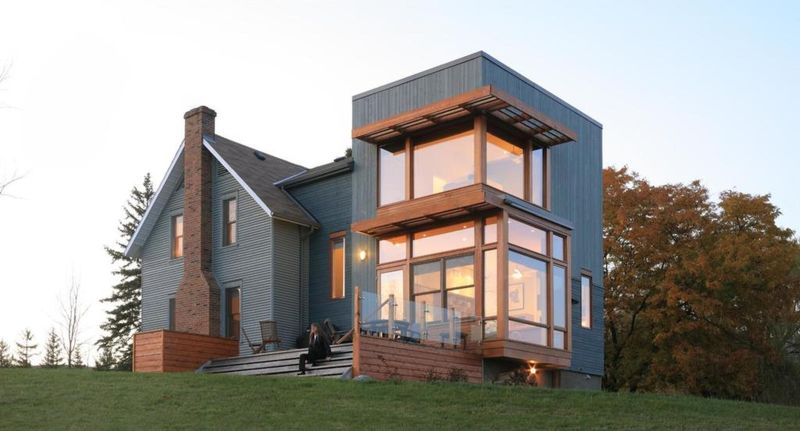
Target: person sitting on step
<point>318,348</point>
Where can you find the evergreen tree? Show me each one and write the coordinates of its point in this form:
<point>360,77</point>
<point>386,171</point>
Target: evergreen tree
<point>77,359</point>
<point>25,350</point>
<point>105,362</point>
<point>124,319</point>
<point>52,351</point>
<point>5,355</point>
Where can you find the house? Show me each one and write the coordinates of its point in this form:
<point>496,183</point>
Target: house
<point>465,229</point>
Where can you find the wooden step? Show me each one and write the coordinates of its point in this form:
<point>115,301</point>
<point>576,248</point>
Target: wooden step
<point>282,363</point>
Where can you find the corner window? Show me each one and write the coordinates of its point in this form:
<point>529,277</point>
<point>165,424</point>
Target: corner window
<point>586,301</point>
<point>445,284</point>
<point>392,168</point>
<point>392,249</point>
<point>505,165</point>
<point>444,164</point>
<point>229,216</point>
<point>337,266</point>
<point>232,312</point>
<point>177,236</point>
<point>445,238</point>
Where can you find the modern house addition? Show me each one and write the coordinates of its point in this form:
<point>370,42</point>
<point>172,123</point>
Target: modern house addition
<point>462,236</point>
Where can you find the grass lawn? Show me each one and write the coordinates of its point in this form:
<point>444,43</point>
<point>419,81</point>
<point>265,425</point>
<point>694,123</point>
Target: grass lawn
<point>85,399</point>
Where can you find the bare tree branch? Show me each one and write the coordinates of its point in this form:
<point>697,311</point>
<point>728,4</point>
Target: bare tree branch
<point>72,313</point>
<point>4,183</point>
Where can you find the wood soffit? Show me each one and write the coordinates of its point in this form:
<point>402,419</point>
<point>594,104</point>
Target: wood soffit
<point>485,100</point>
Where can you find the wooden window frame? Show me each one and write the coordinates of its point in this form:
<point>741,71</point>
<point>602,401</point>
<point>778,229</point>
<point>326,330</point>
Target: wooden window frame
<point>585,273</point>
<point>480,129</point>
<point>226,222</point>
<point>228,315</point>
<point>332,240</point>
<point>173,239</point>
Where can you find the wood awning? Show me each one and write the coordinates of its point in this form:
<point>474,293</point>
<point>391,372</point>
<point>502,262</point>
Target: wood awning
<point>485,100</point>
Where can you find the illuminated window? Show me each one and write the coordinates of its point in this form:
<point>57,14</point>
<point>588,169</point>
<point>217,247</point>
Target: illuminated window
<point>177,236</point>
<point>490,230</point>
<point>392,249</point>
<point>441,239</point>
<point>527,236</point>
<point>229,221</point>
<point>392,168</point>
<point>505,165</point>
<point>586,301</point>
<point>444,164</point>
<point>337,267</point>
<point>391,283</point>
<point>559,297</point>
<point>232,312</point>
<point>445,284</point>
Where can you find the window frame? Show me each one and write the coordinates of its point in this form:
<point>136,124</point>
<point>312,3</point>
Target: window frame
<point>226,242</point>
<point>173,218</point>
<point>229,288</point>
<point>586,274</point>
<point>443,289</point>
<point>480,126</point>
<point>171,312</point>
<point>333,239</point>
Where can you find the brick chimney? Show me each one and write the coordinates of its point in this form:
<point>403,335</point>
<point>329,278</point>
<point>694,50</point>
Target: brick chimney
<point>197,300</point>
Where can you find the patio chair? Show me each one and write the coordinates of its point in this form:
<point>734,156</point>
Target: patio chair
<point>269,335</point>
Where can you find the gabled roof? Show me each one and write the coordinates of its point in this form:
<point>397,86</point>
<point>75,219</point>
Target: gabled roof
<point>255,171</point>
<point>338,166</point>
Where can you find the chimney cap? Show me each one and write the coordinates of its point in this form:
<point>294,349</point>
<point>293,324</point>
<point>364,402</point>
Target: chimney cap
<point>200,110</point>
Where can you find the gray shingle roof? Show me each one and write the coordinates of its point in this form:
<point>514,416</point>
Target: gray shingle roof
<point>260,171</point>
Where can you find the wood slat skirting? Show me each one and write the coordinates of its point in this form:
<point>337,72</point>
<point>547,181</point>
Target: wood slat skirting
<point>383,359</point>
<point>165,351</point>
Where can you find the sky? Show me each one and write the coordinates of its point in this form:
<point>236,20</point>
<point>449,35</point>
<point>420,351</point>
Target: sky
<point>96,92</point>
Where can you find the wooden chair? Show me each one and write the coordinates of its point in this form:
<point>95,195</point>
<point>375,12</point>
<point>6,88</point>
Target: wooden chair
<point>269,335</point>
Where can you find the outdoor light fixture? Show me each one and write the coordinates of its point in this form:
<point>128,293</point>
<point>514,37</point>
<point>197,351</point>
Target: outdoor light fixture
<point>362,255</point>
<point>532,370</point>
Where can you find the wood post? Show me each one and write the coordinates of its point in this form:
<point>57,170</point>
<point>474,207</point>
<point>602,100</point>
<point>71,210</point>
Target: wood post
<point>357,332</point>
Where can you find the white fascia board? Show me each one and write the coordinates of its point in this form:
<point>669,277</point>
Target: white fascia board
<point>130,251</point>
<point>237,177</point>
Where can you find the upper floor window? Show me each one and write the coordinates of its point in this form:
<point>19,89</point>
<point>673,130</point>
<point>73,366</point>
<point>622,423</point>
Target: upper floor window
<point>392,168</point>
<point>505,165</point>
<point>445,161</point>
<point>229,216</point>
<point>337,265</point>
<point>444,164</point>
<point>177,235</point>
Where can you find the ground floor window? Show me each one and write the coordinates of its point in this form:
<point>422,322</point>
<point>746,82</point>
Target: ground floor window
<point>233,314</point>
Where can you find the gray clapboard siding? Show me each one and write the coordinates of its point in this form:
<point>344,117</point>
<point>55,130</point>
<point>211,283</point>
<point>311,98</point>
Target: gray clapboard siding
<point>576,173</point>
<point>161,274</point>
<point>328,200</point>
<point>287,282</point>
<point>246,263</point>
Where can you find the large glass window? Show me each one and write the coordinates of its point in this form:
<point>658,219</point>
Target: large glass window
<point>392,167</point>
<point>444,285</point>
<point>527,288</point>
<point>391,283</point>
<point>337,266</point>
<point>229,221</point>
<point>233,316</point>
<point>444,164</point>
<point>559,297</point>
<point>527,236</point>
<point>490,293</point>
<point>177,236</point>
<point>440,239</point>
<point>505,165</point>
<point>426,291</point>
<point>586,301</point>
<point>538,176</point>
<point>392,249</point>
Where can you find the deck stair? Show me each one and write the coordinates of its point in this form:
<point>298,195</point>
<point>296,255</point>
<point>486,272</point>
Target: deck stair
<point>282,363</point>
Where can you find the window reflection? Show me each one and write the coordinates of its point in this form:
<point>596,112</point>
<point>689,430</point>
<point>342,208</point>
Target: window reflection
<point>527,333</point>
<point>444,164</point>
<point>392,167</point>
<point>527,288</point>
<point>586,302</point>
<point>490,230</point>
<point>392,249</point>
<point>558,247</point>
<point>527,236</point>
<point>537,176</point>
<point>444,238</point>
<point>559,296</point>
<point>391,283</point>
<point>505,165</point>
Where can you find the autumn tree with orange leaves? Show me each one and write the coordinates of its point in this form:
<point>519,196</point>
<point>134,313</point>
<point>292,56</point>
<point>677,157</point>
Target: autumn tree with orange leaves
<point>701,297</point>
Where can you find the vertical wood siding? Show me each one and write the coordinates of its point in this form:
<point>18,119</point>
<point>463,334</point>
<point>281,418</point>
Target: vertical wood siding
<point>328,200</point>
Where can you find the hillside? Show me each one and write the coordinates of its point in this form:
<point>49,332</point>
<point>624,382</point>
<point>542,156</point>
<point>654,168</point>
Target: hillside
<point>81,399</point>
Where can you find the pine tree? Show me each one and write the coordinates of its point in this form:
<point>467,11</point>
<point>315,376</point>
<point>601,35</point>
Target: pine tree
<point>105,362</point>
<point>5,355</point>
<point>77,359</point>
<point>25,350</point>
<point>125,318</point>
<point>52,351</point>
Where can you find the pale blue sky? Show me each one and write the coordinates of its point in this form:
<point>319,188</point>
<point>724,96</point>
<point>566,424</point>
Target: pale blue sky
<point>685,90</point>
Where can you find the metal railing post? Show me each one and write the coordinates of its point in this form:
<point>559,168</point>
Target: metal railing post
<point>453,325</point>
<point>390,322</point>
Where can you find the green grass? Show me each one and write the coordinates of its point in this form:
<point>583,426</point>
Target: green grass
<point>84,399</point>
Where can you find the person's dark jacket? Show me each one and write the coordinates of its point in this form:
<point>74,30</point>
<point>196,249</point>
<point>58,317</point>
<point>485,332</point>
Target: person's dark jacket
<point>318,348</point>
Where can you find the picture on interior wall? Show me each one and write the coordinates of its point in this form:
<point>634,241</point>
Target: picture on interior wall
<point>516,296</point>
